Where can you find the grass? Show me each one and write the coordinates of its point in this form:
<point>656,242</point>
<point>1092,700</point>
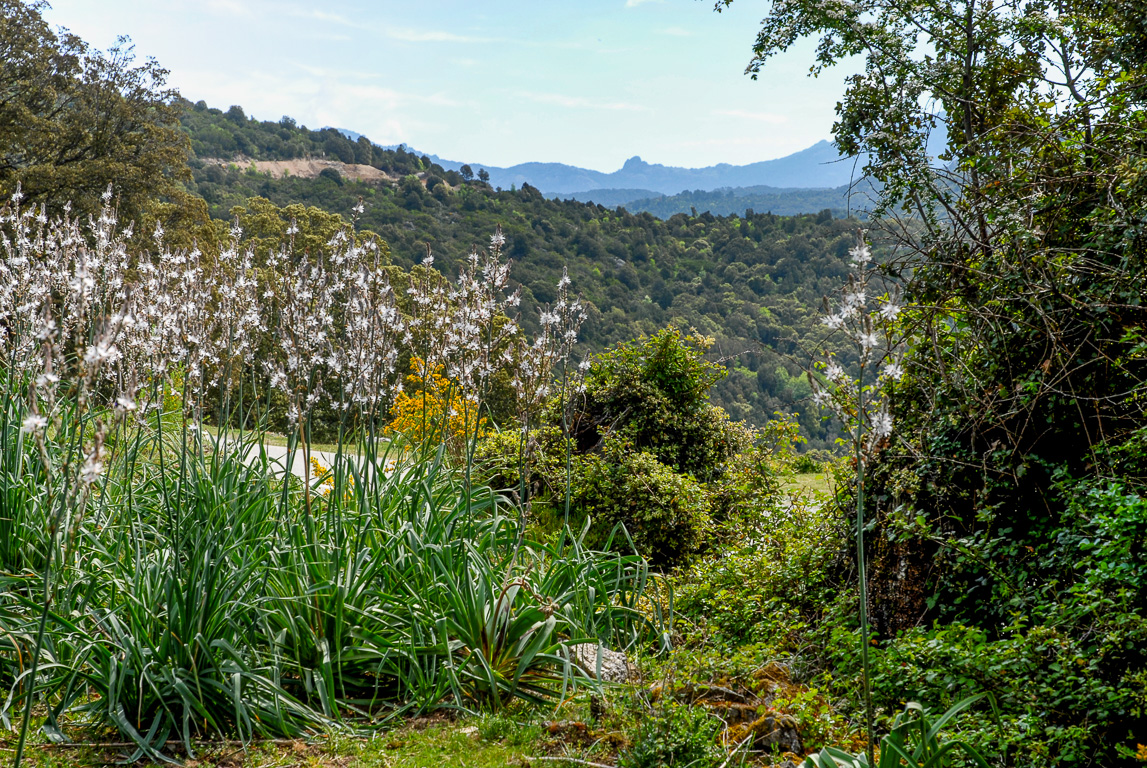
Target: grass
<point>196,597</point>
<point>420,743</point>
<point>811,483</point>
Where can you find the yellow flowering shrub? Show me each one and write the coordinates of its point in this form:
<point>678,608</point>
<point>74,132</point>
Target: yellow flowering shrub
<point>431,410</point>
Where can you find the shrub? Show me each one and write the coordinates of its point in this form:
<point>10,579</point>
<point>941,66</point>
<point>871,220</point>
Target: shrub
<point>811,461</point>
<point>665,514</point>
<point>434,410</point>
<point>768,585</point>
<point>498,454</point>
<point>655,392</point>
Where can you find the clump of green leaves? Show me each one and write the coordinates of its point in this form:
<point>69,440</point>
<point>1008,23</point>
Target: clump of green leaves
<point>654,392</point>
<point>914,739</point>
<point>674,735</point>
<point>665,514</point>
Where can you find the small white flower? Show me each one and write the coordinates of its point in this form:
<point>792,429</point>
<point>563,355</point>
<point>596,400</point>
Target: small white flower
<point>124,403</point>
<point>860,255</point>
<point>890,310</point>
<point>892,370</point>
<point>92,469</point>
<point>882,424</point>
<point>47,330</point>
<point>868,341</point>
<point>34,422</point>
<point>833,322</point>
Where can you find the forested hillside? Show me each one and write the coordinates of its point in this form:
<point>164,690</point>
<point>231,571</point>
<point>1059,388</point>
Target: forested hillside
<point>752,283</point>
<point>737,200</point>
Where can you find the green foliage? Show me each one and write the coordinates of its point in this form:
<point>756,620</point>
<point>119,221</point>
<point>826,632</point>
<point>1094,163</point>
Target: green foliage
<point>498,458</point>
<point>514,731</point>
<point>203,598</point>
<point>74,120</point>
<point>914,740</point>
<point>1052,695</point>
<point>1067,670</point>
<point>674,735</point>
<point>1009,499</point>
<point>507,650</point>
<point>806,463</point>
<point>749,488</point>
<point>751,284</point>
<point>740,200</point>
<point>768,585</point>
<point>665,513</point>
<point>654,393</point>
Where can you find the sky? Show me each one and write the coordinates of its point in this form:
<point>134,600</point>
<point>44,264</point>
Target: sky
<point>495,82</point>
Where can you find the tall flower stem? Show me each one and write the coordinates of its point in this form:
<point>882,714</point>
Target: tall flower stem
<point>860,566</point>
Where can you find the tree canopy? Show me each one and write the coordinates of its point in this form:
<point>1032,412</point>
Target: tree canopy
<point>74,120</point>
<point>1021,439</point>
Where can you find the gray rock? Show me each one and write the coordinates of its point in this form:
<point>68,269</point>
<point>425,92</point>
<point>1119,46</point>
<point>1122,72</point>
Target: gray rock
<point>614,665</point>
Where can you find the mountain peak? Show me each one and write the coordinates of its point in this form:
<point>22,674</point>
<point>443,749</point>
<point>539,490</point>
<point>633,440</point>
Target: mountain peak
<point>634,163</point>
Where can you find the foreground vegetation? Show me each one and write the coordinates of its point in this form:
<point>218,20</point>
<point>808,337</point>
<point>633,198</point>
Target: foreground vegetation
<point>970,588</point>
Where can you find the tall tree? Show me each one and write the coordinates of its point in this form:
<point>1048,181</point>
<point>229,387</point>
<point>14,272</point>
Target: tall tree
<point>74,120</point>
<point>1021,440</point>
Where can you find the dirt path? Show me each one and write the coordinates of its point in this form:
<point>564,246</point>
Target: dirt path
<point>308,168</point>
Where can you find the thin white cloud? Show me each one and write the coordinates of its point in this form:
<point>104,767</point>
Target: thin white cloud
<point>763,117</point>
<point>229,7</point>
<point>579,102</point>
<point>405,34</point>
<point>333,18</point>
<point>408,35</point>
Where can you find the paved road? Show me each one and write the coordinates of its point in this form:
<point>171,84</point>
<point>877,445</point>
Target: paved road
<point>277,455</point>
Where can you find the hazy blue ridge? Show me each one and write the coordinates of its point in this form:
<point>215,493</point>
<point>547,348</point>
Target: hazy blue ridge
<point>845,200</point>
<point>819,166</point>
<point>610,198</point>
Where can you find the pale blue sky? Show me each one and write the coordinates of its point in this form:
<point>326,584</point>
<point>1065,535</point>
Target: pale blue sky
<point>494,82</point>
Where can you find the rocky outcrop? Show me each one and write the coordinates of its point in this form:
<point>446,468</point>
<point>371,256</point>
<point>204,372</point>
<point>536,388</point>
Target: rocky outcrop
<point>614,666</point>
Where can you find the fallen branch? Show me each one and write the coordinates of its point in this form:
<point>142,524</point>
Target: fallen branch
<point>169,743</point>
<point>736,749</point>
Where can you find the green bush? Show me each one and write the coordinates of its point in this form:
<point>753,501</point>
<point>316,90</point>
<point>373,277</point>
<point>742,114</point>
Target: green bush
<point>654,391</point>
<point>674,735</point>
<point>811,461</point>
<point>769,585</point>
<point>1068,669</point>
<point>747,492</point>
<point>498,461</point>
<point>666,514</point>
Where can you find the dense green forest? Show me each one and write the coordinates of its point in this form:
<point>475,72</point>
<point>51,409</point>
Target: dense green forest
<point>753,283</point>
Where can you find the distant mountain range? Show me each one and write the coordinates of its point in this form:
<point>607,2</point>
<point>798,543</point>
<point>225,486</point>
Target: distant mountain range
<point>819,166</point>
<point>809,181</point>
